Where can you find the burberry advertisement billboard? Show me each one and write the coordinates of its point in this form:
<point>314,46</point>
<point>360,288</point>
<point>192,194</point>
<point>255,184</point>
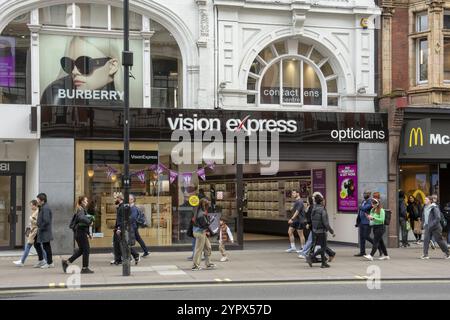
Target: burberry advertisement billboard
<point>426,139</point>
<point>87,71</point>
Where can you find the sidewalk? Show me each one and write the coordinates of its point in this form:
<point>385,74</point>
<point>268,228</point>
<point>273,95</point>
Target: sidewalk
<point>263,265</point>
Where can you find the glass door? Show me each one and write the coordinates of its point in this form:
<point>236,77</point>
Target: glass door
<point>5,211</point>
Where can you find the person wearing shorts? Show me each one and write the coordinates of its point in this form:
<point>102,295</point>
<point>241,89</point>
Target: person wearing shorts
<point>297,222</point>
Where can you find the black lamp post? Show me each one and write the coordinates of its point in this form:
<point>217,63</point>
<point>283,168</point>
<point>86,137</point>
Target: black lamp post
<point>127,62</point>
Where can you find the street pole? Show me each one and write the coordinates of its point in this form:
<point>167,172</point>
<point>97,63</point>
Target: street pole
<point>127,62</point>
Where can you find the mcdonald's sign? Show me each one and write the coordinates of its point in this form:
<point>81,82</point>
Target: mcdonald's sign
<point>416,133</point>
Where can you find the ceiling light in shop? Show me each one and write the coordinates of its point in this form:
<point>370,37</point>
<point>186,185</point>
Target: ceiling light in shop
<point>90,173</point>
<point>114,178</point>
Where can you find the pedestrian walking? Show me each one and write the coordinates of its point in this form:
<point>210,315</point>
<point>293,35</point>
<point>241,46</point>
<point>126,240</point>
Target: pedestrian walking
<point>431,218</point>
<point>309,236</point>
<point>44,234</point>
<point>297,222</point>
<point>201,233</point>
<point>31,233</point>
<point>363,223</point>
<point>320,226</point>
<point>414,213</point>
<point>137,213</point>
<point>119,233</point>
<point>377,219</point>
<point>225,236</point>
<point>80,223</point>
<point>403,218</point>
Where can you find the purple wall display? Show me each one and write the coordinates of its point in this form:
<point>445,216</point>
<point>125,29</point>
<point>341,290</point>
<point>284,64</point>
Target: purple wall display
<point>7,61</point>
<point>319,181</point>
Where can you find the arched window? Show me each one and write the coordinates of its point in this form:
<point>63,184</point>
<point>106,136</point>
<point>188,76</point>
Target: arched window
<point>292,73</point>
<point>80,63</point>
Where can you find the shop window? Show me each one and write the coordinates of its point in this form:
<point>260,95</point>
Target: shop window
<point>91,16</point>
<point>294,79</point>
<point>15,62</point>
<point>422,21</point>
<point>59,15</point>
<point>447,59</point>
<point>419,180</point>
<point>166,69</point>
<point>422,60</point>
<point>447,20</point>
<point>135,19</point>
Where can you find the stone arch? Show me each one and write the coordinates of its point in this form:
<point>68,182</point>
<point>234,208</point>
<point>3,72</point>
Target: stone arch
<point>345,74</point>
<point>155,11</point>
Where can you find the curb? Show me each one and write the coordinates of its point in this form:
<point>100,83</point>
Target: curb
<point>62,286</point>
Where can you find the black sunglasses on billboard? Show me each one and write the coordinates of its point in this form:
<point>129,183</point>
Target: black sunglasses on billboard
<point>85,65</point>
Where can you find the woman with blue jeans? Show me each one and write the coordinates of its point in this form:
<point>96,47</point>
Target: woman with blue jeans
<point>32,235</point>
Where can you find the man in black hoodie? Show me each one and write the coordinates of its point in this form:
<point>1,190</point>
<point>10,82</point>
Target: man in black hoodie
<point>320,227</point>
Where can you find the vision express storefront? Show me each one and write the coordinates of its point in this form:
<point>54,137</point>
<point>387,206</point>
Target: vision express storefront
<point>425,154</point>
<point>338,154</point>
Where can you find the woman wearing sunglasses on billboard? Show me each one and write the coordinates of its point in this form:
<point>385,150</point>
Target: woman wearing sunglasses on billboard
<point>90,74</point>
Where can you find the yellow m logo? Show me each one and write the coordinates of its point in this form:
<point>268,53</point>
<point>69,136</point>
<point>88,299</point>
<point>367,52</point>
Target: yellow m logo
<point>415,132</point>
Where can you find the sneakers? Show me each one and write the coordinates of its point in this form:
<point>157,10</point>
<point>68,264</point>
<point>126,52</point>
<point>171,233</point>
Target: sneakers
<point>146,254</point>
<point>136,260</point>
<point>291,250</point>
<point>325,265</point>
<point>211,266</point>
<point>48,266</point>
<point>300,256</point>
<point>18,263</point>
<point>196,268</point>
<point>447,256</point>
<point>368,257</point>
<point>116,263</point>
<point>432,245</point>
<point>65,265</point>
<point>223,259</point>
<point>331,258</point>
<point>425,257</point>
<point>86,271</point>
<point>40,264</point>
<point>359,255</point>
<point>384,258</point>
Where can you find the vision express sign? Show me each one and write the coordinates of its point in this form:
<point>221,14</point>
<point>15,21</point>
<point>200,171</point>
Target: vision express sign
<point>426,139</point>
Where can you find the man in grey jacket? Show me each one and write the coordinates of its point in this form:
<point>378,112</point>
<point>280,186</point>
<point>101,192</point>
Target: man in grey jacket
<point>44,235</point>
<point>431,218</point>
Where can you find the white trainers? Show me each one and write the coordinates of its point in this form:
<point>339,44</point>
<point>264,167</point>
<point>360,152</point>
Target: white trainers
<point>300,256</point>
<point>223,259</point>
<point>384,258</point>
<point>48,266</point>
<point>432,245</point>
<point>18,263</point>
<point>368,257</point>
<point>40,264</point>
<point>425,257</point>
<point>291,250</point>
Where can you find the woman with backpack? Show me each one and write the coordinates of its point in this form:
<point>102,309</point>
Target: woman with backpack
<point>201,233</point>
<point>377,220</point>
<point>81,221</point>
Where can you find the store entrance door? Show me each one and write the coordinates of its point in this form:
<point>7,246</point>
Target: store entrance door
<point>444,183</point>
<point>12,213</point>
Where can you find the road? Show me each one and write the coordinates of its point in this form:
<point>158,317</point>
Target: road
<point>390,290</point>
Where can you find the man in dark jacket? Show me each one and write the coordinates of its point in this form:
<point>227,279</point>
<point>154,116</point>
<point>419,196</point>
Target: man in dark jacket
<point>320,227</point>
<point>363,224</point>
<point>431,218</point>
<point>402,214</point>
<point>44,235</point>
<point>119,233</point>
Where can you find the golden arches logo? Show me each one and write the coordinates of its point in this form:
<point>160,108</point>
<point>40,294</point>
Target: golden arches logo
<point>415,132</point>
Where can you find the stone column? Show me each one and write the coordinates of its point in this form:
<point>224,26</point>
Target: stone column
<point>395,123</point>
<point>436,47</point>
<point>146,34</point>
<point>386,46</point>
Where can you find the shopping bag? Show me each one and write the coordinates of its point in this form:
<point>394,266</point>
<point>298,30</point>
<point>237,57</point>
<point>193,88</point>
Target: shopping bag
<point>408,225</point>
<point>418,227</point>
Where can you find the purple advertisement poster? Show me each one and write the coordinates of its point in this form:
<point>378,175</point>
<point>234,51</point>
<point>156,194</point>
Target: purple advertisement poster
<point>347,179</point>
<point>319,181</point>
<point>7,61</point>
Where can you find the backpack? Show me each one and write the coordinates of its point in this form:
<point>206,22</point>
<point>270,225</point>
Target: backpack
<point>387,217</point>
<point>443,220</point>
<point>141,220</point>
